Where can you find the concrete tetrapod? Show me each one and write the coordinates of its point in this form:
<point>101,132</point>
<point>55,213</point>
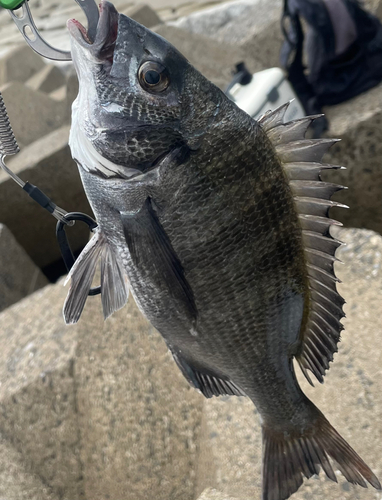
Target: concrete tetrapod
<point>98,409</point>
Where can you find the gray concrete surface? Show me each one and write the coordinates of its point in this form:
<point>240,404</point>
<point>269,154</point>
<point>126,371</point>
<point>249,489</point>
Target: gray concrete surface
<point>211,494</point>
<point>358,123</point>
<point>143,14</point>
<point>19,64</point>
<point>16,482</point>
<point>32,113</point>
<point>232,22</point>
<point>19,275</point>
<point>47,79</point>
<point>98,410</point>
<point>38,414</point>
<point>48,164</point>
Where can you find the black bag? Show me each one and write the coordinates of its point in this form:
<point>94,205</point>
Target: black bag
<point>343,51</point>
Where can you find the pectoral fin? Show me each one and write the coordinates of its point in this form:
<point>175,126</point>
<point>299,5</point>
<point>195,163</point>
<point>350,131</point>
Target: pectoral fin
<point>155,258</point>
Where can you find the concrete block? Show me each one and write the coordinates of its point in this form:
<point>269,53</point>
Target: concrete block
<point>5,18</point>
<point>265,43</point>
<point>59,94</point>
<point>47,79</point>
<point>371,5</point>
<point>139,418</point>
<point>47,163</point>
<point>230,448</point>
<point>38,414</point>
<point>19,65</point>
<point>33,114</point>
<point>351,398</point>
<point>186,9</point>
<point>358,123</point>
<point>206,54</point>
<point>71,87</point>
<point>232,22</point>
<point>19,276</point>
<point>113,385</point>
<point>16,482</point>
<point>143,14</point>
<point>378,11</point>
<point>211,494</point>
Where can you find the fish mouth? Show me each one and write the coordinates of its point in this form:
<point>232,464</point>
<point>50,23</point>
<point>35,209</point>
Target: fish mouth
<point>103,45</point>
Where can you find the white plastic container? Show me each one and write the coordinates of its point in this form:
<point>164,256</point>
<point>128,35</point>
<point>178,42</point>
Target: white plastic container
<point>267,90</point>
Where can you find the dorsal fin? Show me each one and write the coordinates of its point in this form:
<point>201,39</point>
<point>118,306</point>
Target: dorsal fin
<point>114,285</point>
<point>301,160</point>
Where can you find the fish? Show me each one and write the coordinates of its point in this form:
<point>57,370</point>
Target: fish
<point>219,226</point>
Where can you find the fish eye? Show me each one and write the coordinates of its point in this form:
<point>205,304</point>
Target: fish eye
<point>153,77</point>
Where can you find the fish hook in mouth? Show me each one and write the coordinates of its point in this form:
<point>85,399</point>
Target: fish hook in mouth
<point>103,45</point>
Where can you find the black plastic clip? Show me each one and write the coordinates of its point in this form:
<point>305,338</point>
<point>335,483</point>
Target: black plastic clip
<point>62,239</point>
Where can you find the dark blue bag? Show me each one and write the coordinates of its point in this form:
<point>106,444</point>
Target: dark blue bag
<point>343,49</point>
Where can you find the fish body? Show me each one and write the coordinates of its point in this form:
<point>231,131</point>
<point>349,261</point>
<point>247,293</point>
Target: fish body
<point>218,226</point>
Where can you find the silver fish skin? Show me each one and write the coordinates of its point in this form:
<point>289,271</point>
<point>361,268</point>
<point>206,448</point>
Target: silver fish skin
<point>219,226</point>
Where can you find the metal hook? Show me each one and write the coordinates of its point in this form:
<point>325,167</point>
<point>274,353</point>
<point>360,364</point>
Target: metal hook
<point>25,22</point>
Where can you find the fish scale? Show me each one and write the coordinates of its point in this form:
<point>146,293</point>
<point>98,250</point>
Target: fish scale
<point>219,226</point>
<point>235,298</point>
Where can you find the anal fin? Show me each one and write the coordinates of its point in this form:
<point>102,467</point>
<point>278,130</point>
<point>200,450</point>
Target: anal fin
<point>207,382</point>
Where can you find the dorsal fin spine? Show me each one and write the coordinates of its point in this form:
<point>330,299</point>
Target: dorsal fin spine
<point>301,161</point>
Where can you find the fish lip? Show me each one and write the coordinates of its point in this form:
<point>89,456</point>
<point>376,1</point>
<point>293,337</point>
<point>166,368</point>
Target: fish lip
<point>103,45</point>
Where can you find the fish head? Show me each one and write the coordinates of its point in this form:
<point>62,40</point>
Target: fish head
<point>139,98</point>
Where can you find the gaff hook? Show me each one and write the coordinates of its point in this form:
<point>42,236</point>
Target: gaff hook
<point>25,23</point>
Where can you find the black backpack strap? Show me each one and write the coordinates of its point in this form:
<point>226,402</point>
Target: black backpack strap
<point>294,43</point>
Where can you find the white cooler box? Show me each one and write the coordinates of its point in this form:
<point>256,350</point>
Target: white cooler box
<point>267,90</point>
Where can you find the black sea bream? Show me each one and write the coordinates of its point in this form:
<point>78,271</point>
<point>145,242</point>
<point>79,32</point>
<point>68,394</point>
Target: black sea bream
<point>218,225</point>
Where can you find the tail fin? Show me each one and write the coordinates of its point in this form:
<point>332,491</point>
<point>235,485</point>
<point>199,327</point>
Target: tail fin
<point>287,457</point>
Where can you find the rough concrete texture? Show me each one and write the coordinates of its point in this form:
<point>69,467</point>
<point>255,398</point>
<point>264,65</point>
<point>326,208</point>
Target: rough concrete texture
<point>265,48</point>
<point>19,64</point>
<point>351,397</point>
<point>206,54</point>
<point>232,22</point>
<point>47,163</point>
<point>244,26</point>
<point>372,5</point>
<point>143,14</point>
<point>38,413</point>
<point>33,114</point>
<point>47,79</point>
<point>358,123</point>
<point>97,409</point>
<point>378,11</point>
<point>16,483</point>
<point>59,94</point>
<point>139,418</point>
<point>19,276</point>
<point>211,494</point>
